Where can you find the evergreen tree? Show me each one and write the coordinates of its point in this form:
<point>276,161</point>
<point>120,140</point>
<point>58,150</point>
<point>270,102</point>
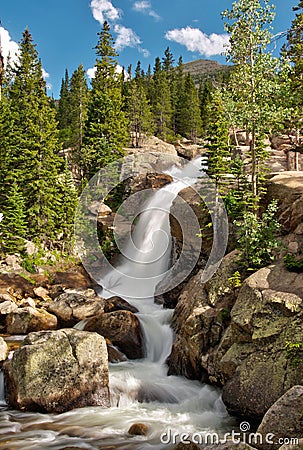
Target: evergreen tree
<point>255,72</point>
<point>106,129</point>
<point>78,99</point>
<point>205,95</point>
<point>218,140</point>
<point>138,112</point>
<point>190,123</point>
<point>293,82</point>
<point>63,114</point>
<point>13,226</point>
<point>33,147</point>
<point>160,102</point>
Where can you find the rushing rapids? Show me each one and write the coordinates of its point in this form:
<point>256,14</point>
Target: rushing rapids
<point>140,390</point>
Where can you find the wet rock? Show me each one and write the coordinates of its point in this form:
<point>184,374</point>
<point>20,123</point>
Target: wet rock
<point>122,328</point>
<point>26,320</point>
<point>114,355</point>
<point>138,429</point>
<point>284,419</point>
<point>118,304</point>
<point>3,349</point>
<point>55,371</point>
<point>75,305</point>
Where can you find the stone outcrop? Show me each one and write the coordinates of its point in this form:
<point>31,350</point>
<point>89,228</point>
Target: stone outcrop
<point>28,319</point>
<point>138,429</point>
<point>75,305</point>
<point>153,144</point>
<point>199,320</point>
<point>284,419</point>
<point>55,371</point>
<point>122,328</point>
<point>268,313</point>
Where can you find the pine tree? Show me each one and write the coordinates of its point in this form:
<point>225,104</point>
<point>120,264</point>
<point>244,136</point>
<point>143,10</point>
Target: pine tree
<point>78,99</point>
<point>13,225</point>
<point>160,102</point>
<point>63,114</point>
<point>294,82</point>
<point>138,112</point>
<point>218,140</point>
<point>190,123</point>
<point>205,95</point>
<point>106,129</point>
<point>34,145</point>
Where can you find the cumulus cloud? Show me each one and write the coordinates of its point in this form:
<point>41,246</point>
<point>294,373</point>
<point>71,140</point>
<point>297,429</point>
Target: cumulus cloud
<point>104,10</point>
<point>144,6</point>
<point>92,71</point>
<point>197,41</point>
<point>8,46</point>
<point>126,37</point>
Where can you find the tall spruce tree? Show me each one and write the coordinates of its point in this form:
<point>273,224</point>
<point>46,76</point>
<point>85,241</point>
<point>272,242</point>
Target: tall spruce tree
<point>294,81</point>
<point>34,145</point>
<point>106,129</point>
<point>63,113</point>
<point>190,124</point>
<point>160,101</point>
<point>138,112</point>
<point>78,99</point>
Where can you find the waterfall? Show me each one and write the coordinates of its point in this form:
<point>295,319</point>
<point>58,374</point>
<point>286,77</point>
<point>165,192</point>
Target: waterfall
<point>140,390</point>
<point>2,393</point>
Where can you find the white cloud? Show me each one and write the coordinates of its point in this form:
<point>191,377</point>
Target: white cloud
<point>197,41</point>
<point>8,47</point>
<point>145,52</point>
<point>45,74</point>
<point>126,37</point>
<point>104,10</point>
<point>144,6</point>
<point>92,71</point>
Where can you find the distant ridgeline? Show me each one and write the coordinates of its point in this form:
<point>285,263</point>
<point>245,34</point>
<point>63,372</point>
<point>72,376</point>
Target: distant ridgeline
<point>203,70</point>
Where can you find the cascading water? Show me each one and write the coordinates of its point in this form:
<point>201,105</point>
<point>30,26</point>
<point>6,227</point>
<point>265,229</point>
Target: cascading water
<point>140,390</point>
<point>2,394</point>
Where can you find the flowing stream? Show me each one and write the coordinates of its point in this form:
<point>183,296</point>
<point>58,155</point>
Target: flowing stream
<point>140,390</point>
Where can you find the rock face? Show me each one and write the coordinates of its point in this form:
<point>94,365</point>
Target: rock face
<point>55,371</point>
<point>122,328</point>
<point>73,306</point>
<point>199,320</point>
<point>268,313</point>
<point>284,419</point>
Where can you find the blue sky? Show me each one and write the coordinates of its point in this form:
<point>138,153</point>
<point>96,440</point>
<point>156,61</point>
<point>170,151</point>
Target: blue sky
<point>65,31</point>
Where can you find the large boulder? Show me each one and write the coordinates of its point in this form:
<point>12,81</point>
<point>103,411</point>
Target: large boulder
<point>199,320</point>
<point>75,305</point>
<point>55,371</point>
<point>28,319</point>
<point>284,419</point>
<point>122,328</point>
<point>287,188</point>
<point>252,355</point>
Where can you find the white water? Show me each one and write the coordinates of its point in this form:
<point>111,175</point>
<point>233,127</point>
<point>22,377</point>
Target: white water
<point>2,396</point>
<point>141,391</point>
